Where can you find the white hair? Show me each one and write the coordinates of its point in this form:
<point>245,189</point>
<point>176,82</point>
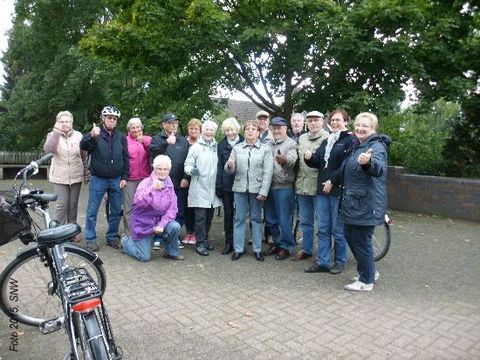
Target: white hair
<point>66,115</point>
<point>162,159</point>
<point>134,121</point>
<point>230,123</point>
<point>209,123</point>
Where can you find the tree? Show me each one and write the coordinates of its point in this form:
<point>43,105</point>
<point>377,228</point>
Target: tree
<point>45,72</point>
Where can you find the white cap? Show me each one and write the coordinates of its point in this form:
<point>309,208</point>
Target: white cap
<point>315,114</point>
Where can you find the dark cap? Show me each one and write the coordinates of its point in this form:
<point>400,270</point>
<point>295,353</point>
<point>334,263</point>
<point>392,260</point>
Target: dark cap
<point>169,117</point>
<point>279,121</point>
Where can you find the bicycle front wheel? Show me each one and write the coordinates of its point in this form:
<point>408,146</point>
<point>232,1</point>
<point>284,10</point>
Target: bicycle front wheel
<point>26,284</point>
<point>381,241</point>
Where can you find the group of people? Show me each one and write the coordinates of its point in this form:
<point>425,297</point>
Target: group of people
<point>324,172</point>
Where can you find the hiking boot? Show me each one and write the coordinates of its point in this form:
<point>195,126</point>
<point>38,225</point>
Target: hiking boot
<point>91,245</point>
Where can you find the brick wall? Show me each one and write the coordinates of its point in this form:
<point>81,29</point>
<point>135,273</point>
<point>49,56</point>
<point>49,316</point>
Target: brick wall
<point>455,198</point>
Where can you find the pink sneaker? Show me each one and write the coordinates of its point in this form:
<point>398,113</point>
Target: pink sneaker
<point>186,239</point>
<point>192,240</point>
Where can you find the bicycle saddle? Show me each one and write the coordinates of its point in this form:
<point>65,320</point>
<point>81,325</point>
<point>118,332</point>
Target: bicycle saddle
<point>58,235</point>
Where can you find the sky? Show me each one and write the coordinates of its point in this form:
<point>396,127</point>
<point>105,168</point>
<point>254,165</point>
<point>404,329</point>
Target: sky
<point>7,7</point>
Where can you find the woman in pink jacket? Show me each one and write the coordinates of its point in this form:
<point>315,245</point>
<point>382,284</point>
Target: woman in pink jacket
<point>139,165</point>
<point>153,215</point>
<point>68,168</point>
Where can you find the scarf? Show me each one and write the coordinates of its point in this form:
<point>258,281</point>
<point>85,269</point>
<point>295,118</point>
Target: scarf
<point>332,139</point>
<point>232,142</point>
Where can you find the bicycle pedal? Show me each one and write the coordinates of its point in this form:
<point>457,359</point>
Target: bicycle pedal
<point>51,325</point>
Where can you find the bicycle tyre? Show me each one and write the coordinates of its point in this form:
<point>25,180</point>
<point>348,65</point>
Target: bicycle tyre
<point>24,284</point>
<point>381,240</point>
<point>95,340</point>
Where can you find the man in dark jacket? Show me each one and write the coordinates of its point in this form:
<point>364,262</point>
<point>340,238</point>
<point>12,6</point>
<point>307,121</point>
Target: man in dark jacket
<point>108,152</point>
<point>169,142</point>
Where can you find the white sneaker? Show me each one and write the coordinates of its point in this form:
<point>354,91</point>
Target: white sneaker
<point>375,278</point>
<point>358,286</point>
<point>156,245</point>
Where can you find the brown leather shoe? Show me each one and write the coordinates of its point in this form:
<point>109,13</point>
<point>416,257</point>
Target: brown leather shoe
<point>272,250</point>
<point>282,255</point>
<point>300,256</point>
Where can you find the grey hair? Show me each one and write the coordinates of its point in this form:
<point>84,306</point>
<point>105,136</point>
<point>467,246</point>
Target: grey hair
<point>64,114</point>
<point>208,123</point>
<point>133,121</point>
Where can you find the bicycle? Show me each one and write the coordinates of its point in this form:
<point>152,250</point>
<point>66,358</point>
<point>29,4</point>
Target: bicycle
<point>55,284</point>
<point>382,238</point>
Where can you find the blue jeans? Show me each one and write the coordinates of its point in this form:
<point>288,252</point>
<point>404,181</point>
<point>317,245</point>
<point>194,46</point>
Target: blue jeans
<point>142,249</point>
<point>98,187</point>
<point>244,202</point>
<point>359,239</point>
<point>307,209</point>
<point>328,227</point>
<point>278,217</point>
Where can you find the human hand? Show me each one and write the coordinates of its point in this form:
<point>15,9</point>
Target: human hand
<point>158,230</point>
<point>364,158</point>
<point>184,183</point>
<point>281,159</point>
<point>195,172</point>
<point>261,197</point>
<point>157,184</point>
<point>123,183</point>
<point>230,163</point>
<point>171,139</point>
<point>308,154</point>
<point>219,192</point>
<point>140,138</point>
<point>95,131</point>
<point>327,187</point>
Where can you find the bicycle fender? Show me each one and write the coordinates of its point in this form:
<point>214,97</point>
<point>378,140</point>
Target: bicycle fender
<point>92,257</point>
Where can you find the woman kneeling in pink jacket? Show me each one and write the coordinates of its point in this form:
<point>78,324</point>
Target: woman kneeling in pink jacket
<point>153,215</point>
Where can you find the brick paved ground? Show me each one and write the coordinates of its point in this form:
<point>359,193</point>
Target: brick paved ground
<point>425,306</point>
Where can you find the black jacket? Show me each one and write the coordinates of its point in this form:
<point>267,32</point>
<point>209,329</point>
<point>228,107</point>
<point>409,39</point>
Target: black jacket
<point>339,152</point>
<point>107,161</point>
<point>364,187</point>
<point>176,152</point>
<point>224,180</point>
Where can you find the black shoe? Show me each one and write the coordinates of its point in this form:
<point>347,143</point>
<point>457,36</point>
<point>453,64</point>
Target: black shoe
<point>259,256</point>
<point>272,250</point>
<point>201,250</point>
<point>337,269</point>
<point>236,256</point>
<point>228,249</point>
<point>209,246</point>
<point>315,268</point>
<point>282,255</point>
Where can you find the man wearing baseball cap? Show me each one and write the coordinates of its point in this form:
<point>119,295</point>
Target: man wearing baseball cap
<point>169,142</point>
<point>280,200</point>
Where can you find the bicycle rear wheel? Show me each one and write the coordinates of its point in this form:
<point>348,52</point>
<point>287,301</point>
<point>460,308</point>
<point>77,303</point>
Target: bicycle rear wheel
<point>381,241</point>
<point>91,336</point>
<point>25,284</point>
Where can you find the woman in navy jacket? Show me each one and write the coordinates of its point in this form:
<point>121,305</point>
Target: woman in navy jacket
<point>224,183</point>
<point>364,196</point>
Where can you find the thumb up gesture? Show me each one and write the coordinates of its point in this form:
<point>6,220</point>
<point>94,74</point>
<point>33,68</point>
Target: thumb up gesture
<point>95,131</point>
<point>364,158</point>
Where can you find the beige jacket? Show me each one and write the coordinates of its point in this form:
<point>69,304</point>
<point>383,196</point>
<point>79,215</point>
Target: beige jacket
<point>306,183</point>
<point>69,165</point>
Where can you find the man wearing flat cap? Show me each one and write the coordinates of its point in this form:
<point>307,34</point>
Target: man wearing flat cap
<point>263,119</point>
<point>169,142</point>
<point>281,198</point>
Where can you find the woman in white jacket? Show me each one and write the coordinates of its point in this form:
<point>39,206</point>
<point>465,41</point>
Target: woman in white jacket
<point>68,168</point>
<point>201,165</point>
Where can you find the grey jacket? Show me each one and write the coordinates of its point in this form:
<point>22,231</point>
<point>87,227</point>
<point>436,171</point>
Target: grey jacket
<point>284,177</point>
<point>253,168</point>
